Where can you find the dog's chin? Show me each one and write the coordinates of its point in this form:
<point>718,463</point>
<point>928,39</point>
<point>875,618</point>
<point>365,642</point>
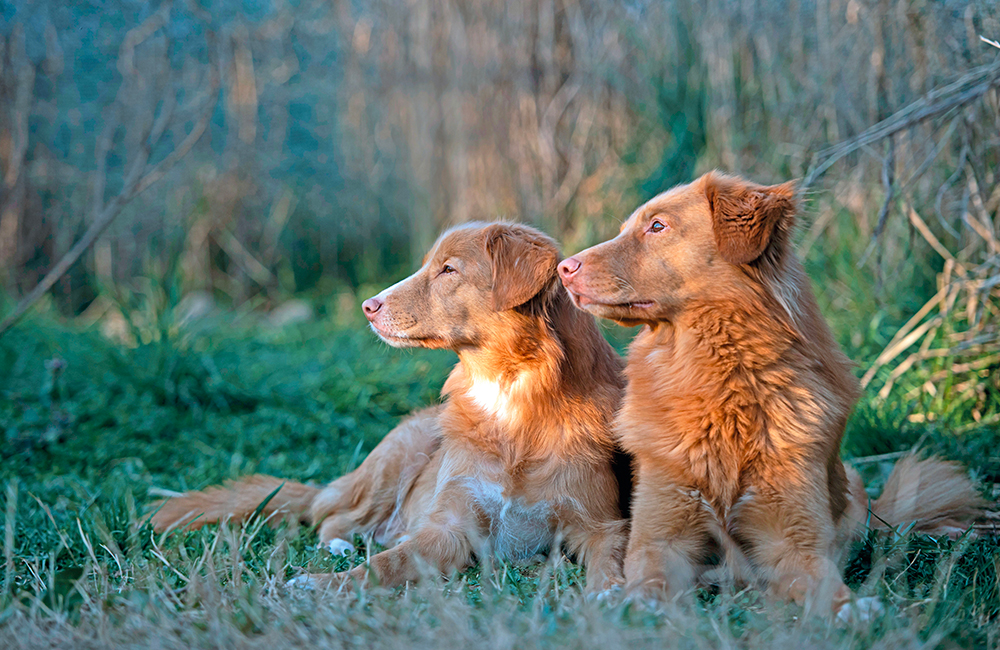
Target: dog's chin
<point>405,340</point>
<point>611,308</point>
<point>398,341</point>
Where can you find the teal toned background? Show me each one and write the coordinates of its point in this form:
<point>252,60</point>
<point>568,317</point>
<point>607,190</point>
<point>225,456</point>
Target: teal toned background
<point>296,157</point>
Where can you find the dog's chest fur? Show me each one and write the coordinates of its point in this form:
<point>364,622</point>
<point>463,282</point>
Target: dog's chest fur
<point>719,422</point>
<point>516,530</point>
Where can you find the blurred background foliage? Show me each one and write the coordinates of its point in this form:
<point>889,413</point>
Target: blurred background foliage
<point>342,136</point>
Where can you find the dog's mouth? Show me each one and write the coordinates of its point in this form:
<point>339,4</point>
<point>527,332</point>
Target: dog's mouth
<point>584,301</point>
<point>404,340</point>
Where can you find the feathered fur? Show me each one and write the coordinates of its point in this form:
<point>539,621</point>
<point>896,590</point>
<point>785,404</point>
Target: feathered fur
<point>234,501</point>
<point>935,495</point>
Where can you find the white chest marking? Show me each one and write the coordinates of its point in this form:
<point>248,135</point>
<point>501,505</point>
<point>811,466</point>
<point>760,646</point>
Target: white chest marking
<point>491,398</point>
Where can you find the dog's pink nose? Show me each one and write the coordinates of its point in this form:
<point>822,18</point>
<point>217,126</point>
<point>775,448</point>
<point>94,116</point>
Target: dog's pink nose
<point>371,306</point>
<point>568,267</point>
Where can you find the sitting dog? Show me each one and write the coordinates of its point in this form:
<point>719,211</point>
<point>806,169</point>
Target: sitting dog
<point>518,456</point>
<point>737,399</point>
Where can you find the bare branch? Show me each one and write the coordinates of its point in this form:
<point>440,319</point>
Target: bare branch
<point>967,89</point>
<point>161,168</point>
<point>139,177</point>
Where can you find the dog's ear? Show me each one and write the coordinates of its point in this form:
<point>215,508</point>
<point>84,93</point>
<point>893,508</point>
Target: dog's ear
<point>523,263</point>
<point>747,218</point>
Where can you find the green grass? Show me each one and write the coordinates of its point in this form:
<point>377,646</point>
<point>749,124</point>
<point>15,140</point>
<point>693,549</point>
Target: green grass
<point>85,438</point>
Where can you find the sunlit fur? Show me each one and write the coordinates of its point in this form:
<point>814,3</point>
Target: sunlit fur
<point>737,399</point>
<point>517,456</point>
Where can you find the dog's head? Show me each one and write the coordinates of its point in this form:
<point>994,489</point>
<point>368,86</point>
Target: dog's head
<point>701,241</point>
<point>473,276</point>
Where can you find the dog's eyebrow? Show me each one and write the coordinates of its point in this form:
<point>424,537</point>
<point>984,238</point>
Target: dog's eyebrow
<point>621,228</point>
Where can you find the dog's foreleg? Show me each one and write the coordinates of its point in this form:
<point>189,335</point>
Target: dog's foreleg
<point>790,533</point>
<point>600,547</point>
<point>432,550</point>
<point>670,533</point>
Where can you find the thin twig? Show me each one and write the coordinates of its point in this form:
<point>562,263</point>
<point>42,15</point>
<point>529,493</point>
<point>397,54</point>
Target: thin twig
<point>878,458</point>
<point>888,168</point>
<point>931,239</point>
<point>963,153</point>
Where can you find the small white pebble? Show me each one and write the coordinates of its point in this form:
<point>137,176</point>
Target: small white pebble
<point>862,610</point>
<point>338,546</point>
<point>607,595</point>
<point>647,603</point>
<point>302,582</point>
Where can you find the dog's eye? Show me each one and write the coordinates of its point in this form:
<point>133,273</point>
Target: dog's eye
<point>448,268</point>
<point>657,226</point>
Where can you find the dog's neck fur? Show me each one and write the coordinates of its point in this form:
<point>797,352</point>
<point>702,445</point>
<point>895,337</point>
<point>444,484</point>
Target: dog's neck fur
<point>548,365</point>
<point>771,312</point>
<point>737,335</point>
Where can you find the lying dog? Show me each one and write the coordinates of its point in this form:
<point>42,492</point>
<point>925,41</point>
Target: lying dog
<point>518,456</point>
<point>737,399</point>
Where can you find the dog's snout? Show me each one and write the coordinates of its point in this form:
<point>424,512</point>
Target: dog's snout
<point>568,267</point>
<point>372,306</point>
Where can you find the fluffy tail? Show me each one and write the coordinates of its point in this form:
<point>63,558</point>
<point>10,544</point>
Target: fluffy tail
<point>235,501</point>
<point>935,495</point>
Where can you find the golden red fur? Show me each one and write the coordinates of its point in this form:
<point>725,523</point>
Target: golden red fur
<point>738,397</point>
<point>518,456</point>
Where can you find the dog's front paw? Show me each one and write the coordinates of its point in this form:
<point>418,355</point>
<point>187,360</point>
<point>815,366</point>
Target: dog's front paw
<point>860,611</point>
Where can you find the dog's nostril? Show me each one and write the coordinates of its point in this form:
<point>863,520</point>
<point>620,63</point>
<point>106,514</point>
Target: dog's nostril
<point>371,306</point>
<point>569,266</point>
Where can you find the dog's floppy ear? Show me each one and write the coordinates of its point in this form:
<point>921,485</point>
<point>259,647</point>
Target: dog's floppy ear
<point>747,218</point>
<point>523,262</point>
